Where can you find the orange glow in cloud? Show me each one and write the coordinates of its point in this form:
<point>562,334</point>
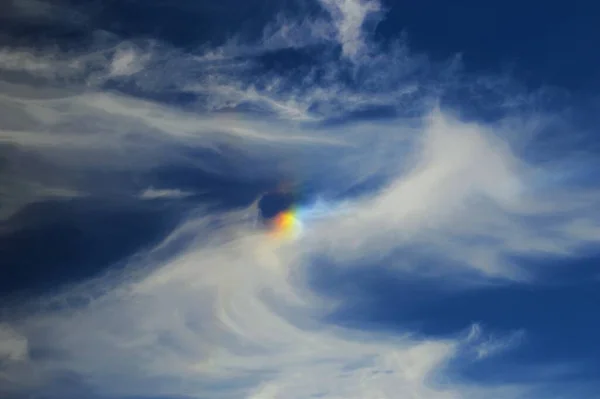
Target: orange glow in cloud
<point>286,224</point>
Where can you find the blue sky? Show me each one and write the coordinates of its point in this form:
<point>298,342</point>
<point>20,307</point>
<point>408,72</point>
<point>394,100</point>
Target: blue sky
<point>442,157</point>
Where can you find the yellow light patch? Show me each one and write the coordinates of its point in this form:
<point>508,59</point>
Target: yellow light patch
<point>286,224</point>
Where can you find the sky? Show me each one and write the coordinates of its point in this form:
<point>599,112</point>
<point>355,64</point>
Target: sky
<point>435,160</point>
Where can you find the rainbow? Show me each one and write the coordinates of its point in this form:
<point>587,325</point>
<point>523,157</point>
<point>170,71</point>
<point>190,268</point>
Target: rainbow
<point>287,224</point>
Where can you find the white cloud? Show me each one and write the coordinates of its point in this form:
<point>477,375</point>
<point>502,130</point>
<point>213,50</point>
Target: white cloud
<point>127,61</point>
<point>464,194</point>
<point>485,347</point>
<point>230,311</point>
<point>153,193</point>
<point>348,17</point>
<point>19,190</point>
<point>21,60</point>
<point>13,347</point>
<point>93,68</point>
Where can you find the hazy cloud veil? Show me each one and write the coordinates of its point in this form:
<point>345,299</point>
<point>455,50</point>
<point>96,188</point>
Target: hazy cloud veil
<point>396,175</point>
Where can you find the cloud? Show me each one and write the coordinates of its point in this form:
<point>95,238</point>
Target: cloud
<point>127,61</point>
<point>152,193</point>
<point>183,326</point>
<point>464,194</point>
<point>17,195</point>
<point>485,347</point>
<point>218,309</point>
<point>13,347</point>
<point>348,17</point>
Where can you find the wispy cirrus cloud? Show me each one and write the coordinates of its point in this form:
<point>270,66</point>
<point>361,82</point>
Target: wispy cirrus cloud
<point>259,342</point>
<point>465,194</point>
<point>217,309</point>
<point>348,18</point>
<point>153,193</point>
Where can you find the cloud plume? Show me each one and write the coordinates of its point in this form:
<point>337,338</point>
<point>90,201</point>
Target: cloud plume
<point>391,174</point>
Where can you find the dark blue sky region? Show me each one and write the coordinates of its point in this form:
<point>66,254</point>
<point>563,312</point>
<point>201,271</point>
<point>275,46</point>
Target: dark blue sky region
<point>542,43</point>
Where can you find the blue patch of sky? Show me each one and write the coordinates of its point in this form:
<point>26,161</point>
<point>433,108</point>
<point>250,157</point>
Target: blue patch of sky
<point>558,317</point>
<point>77,239</point>
<point>544,43</point>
